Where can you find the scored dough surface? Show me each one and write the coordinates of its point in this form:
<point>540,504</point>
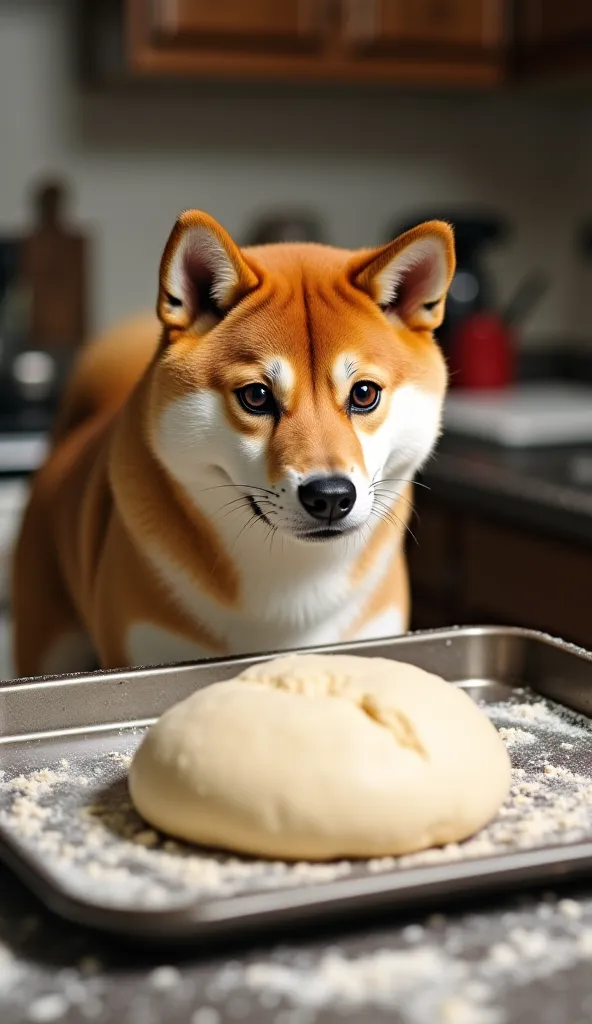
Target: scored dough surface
<point>313,757</point>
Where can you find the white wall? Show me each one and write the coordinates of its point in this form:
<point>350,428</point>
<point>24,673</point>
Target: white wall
<point>360,157</point>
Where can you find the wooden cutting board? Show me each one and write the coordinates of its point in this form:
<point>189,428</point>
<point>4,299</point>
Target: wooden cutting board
<point>55,272</point>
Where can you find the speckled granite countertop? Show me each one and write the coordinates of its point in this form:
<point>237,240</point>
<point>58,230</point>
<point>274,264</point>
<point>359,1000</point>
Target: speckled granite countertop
<point>547,489</point>
<point>522,961</point>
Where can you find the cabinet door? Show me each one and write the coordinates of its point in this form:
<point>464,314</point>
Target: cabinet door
<point>554,35</point>
<point>421,41</point>
<point>550,22</point>
<point>516,577</point>
<point>424,26</point>
<point>250,24</point>
<point>435,564</point>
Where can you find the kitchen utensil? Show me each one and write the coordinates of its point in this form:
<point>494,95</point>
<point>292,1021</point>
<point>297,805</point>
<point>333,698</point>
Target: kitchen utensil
<point>482,346</point>
<point>482,353</point>
<point>82,726</point>
<point>528,293</point>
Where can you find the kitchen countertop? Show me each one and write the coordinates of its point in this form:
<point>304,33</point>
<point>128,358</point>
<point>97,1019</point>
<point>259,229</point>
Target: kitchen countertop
<point>549,489</point>
<point>524,959</point>
<point>24,439</point>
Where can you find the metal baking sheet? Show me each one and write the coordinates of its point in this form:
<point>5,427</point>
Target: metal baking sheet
<point>67,828</point>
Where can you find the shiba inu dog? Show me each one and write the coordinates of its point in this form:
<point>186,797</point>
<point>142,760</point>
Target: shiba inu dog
<point>234,476</point>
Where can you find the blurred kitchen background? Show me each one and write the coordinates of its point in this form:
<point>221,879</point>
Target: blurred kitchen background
<point>342,121</point>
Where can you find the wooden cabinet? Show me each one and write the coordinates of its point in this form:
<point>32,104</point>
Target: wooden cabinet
<point>234,24</point>
<point>464,39</point>
<point>227,38</point>
<point>436,564</point>
<point>473,569</point>
<point>553,36</point>
<point>425,26</point>
<point>428,41</point>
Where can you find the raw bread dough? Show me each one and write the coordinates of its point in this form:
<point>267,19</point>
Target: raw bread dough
<point>312,757</point>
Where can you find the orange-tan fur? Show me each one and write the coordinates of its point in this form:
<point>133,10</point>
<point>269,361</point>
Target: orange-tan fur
<point>141,543</point>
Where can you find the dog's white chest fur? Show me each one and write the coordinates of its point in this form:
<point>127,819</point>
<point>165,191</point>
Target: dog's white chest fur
<point>148,644</point>
<point>288,600</point>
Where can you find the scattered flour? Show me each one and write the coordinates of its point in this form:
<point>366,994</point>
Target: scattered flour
<point>425,984</point>
<point>448,971</point>
<point>457,970</point>
<point>164,977</point>
<point>47,1008</point>
<point>569,908</point>
<point>513,736</point>
<point>529,712</point>
<point>206,1015</point>
<point>92,840</point>
<point>11,971</point>
<point>418,982</point>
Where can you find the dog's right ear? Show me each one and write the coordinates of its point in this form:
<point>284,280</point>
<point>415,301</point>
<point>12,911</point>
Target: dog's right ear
<point>202,273</point>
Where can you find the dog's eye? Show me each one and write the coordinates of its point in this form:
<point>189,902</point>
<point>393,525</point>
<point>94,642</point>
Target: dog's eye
<point>364,396</point>
<point>257,399</point>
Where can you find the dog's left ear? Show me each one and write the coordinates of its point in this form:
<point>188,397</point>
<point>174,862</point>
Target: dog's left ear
<point>410,277</point>
<point>202,273</point>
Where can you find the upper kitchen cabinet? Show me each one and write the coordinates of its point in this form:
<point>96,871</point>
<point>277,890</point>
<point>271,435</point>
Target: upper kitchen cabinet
<point>553,37</point>
<point>225,36</point>
<point>427,42</point>
<point>466,40</point>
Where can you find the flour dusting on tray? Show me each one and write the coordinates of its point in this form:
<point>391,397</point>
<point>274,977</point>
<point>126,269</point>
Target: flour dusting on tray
<point>77,817</point>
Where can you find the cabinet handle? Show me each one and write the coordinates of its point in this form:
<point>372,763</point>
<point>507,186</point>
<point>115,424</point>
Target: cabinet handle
<point>360,20</point>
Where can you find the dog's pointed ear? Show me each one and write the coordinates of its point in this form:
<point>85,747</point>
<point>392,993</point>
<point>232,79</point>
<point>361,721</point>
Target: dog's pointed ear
<point>410,277</point>
<point>202,273</point>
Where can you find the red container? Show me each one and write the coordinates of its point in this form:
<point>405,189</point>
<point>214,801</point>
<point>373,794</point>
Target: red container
<point>482,353</point>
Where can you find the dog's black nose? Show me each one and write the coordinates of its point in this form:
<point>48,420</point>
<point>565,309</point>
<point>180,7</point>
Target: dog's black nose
<point>328,498</point>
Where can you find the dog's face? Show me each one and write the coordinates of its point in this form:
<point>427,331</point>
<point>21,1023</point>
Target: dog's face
<point>303,378</point>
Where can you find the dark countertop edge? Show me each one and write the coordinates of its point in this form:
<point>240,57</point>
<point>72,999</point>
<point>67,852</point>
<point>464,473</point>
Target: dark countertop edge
<point>502,492</point>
